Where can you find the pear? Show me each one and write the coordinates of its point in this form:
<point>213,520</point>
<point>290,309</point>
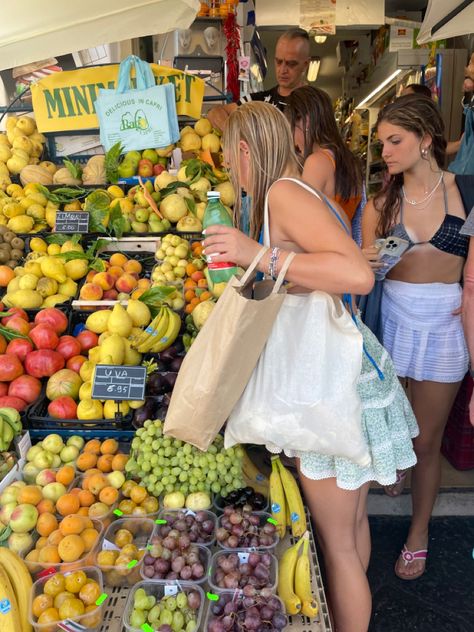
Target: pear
<point>120,322</point>
<point>113,346</point>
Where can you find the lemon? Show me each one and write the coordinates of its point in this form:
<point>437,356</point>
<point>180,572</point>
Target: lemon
<point>70,246</point>
<point>21,224</point>
<point>38,245</point>
<point>15,191</point>
<point>68,288</point>
<point>73,206</point>
<point>89,409</point>
<point>54,249</point>
<point>36,211</point>
<point>115,191</point>
<point>85,392</point>
<point>51,301</point>
<point>110,408</point>
<point>76,268</point>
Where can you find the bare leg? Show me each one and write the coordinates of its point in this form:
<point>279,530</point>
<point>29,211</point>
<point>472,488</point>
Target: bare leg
<point>363,544</point>
<point>431,403</point>
<point>334,512</point>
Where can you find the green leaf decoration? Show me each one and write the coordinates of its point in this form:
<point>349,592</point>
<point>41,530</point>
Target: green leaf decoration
<point>112,161</point>
<point>117,222</point>
<point>60,239</point>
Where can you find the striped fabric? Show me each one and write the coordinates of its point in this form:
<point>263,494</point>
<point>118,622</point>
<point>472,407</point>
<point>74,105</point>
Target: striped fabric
<point>424,339</point>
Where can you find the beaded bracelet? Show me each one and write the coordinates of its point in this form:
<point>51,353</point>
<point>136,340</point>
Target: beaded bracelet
<point>275,254</point>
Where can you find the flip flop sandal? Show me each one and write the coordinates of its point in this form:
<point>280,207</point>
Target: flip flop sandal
<point>401,476</point>
<point>409,557</point>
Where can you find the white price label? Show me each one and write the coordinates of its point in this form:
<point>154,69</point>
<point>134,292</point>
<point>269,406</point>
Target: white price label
<point>243,557</point>
<point>190,512</point>
<point>107,545</point>
<point>170,591</point>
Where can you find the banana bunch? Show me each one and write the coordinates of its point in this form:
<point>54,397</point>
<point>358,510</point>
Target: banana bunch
<point>286,502</point>
<point>252,475</point>
<point>160,333</point>
<point>15,589</point>
<point>10,426</point>
<point>294,580</point>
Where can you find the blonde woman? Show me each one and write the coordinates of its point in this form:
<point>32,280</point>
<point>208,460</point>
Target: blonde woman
<point>258,146</point>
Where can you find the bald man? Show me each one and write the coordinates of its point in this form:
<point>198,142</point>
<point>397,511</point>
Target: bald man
<point>292,57</point>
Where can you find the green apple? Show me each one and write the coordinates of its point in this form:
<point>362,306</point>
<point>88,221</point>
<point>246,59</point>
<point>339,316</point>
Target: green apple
<point>127,169</point>
<point>69,453</point>
<point>133,157</point>
<point>151,155</point>
<point>43,460</point>
<point>53,443</point>
<point>33,451</point>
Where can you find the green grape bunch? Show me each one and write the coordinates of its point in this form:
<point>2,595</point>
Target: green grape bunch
<point>166,465</point>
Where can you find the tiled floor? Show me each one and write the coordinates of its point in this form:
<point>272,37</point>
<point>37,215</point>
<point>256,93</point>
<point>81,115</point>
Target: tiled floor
<point>440,601</point>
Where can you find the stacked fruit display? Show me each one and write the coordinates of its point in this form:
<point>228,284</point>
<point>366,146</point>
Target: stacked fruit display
<point>20,145</point>
<point>234,612</point>
<point>26,209</point>
<point>178,612</point>
<point>147,163</point>
<point>251,571</point>
<point>137,501</point>
<point>199,526</point>
<point>240,528</point>
<point>46,280</point>
<point>164,464</point>
<point>175,557</point>
<point>67,596</point>
<point>12,251</point>
<point>51,453</point>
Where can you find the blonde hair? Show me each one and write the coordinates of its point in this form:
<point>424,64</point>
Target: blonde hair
<point>268,135</point>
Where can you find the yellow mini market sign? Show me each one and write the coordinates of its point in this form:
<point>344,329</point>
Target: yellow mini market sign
<point>65,101</point>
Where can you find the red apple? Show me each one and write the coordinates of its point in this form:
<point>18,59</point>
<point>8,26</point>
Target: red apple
<point>53,317</point>
<point>145,168</point>
<point>25,387</point>
<point>75,363</point>
<point>157,169</point>
<point>68,347</point>
<point>19,347</point>
<point>87,339</point>
<point>44,337</point>
<point>63,408</point>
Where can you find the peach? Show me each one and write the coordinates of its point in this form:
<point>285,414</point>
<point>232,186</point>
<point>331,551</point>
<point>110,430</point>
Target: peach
<point>118,259</point>
<point>110,295</point>
<point>90,275</point>
<point>104,280</point>
<point>144,283</point>
<point>91,292</point>
<point>137,293</point>
<point>133,266</point>
<point>126,283</point>
<point>115,271</point>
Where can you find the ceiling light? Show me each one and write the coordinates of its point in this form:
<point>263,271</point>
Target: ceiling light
<point>320,39</point>
<point>379,87</point>
<point>313,69</point>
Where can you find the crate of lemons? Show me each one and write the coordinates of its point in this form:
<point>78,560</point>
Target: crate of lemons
<point>44,280</point>
<point>26,209</point>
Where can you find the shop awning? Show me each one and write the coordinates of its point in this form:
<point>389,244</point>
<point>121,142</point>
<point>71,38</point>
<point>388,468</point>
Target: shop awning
<point>33,29</point>
<point>446,18</point>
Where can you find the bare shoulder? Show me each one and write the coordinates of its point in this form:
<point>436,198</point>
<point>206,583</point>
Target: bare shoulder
<point>455,203</point>
<point>295,190</point>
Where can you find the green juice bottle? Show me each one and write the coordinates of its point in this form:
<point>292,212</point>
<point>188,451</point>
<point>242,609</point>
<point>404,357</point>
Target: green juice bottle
<point>216,213</point>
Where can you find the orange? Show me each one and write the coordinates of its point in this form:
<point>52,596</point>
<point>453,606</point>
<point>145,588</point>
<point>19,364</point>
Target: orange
<point>96,482</point>
<point>49,554</point>
<point>189,284</point>
<point>65,475</point>
<point>109,446</point>
<point>71,548</point>
<point>45,506</point>
<point>119,462</point>
<point>55,537</point>
<point>92,446</point>
<point>72,525</point>
<point>89,537</point>
<point>46,524</point>
<point>108,495</point>
<point>86,498</point>
<point>68,504</point>
<point>86,460</point>
<point>41,603</point>
<point>118,259</point>
<point>104,462</point>
<point>30,494</point>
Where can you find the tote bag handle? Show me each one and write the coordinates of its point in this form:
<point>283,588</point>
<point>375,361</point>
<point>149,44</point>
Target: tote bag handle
<point>143,73</point>
<point>281,276</point>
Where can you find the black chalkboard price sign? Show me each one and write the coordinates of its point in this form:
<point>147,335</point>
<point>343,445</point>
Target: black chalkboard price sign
<point>71,222</point>
<point>119,382</point>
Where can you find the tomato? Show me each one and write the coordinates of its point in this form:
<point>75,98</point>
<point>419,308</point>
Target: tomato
<point>43,363</point>
<point>12,402</point>
<point>10,367</point>
<point>75,363</point>
<point>53,317</point>
<point>63,408</point>
<point>44,337</point>
<point>25,387</point>
<point>18,324</point>
<point>87,339</point>
<point>14,311</point>
<point>19,347</point>
<point>3,389</point>
<point>68,347</point>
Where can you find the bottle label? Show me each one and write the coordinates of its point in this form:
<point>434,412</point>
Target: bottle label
<point>222,265</point>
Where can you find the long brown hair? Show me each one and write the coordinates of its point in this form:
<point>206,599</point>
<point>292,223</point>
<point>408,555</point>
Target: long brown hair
<point>421,116</point>
<point>313,106</point>
<point>267,133</point>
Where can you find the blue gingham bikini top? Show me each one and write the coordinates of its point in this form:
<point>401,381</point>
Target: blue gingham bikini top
<point>447,238</point>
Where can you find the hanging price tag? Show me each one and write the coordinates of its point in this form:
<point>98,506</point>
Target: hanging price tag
<point>243,557</point>
<point>170,591</point>
<point>119,382</point>
<point>70,222</point>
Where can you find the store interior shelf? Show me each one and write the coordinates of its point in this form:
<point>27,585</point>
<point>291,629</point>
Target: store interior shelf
<point>115,604</point>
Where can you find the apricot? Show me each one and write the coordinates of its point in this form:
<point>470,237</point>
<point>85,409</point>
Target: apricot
<point>118,259</point>
<point>93,445</point>
<point>104,462</point>
<point>41,603</point>
<point>144,284</point>
<point>119,462</point>
<point>108,495</point>
<point>30,494</point>
<point>138,494</point>
<point>45,506</point>
<point>137,293</point>
<point>90,275</point>
<point>109,446</point>
<point>32,556</point>
<point>41,542</point>
<point>83,511</point>
<point>86,460</point>
<point>126,283</point>
<point>86,498</point>
<point>71,548</point>
<point>89,537</point>
<point>72,525</point>
<point>65,475</point>
<point>55,537</point>
<point>75,491</point>
<point>46,524</point>
<point>96,482</point>
<point>104,280</point>
<point>49,554</point>
<point>132,265</point>
<point>68,504</point>
<point>91,292</point>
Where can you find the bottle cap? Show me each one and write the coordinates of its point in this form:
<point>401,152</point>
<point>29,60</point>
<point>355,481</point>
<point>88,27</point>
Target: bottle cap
<point>213,194</point>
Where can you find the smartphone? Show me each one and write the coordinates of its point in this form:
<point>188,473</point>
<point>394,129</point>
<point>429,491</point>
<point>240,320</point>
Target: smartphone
<point>390,250</point>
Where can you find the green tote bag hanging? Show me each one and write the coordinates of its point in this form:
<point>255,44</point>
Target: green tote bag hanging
<point>142,117</point>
